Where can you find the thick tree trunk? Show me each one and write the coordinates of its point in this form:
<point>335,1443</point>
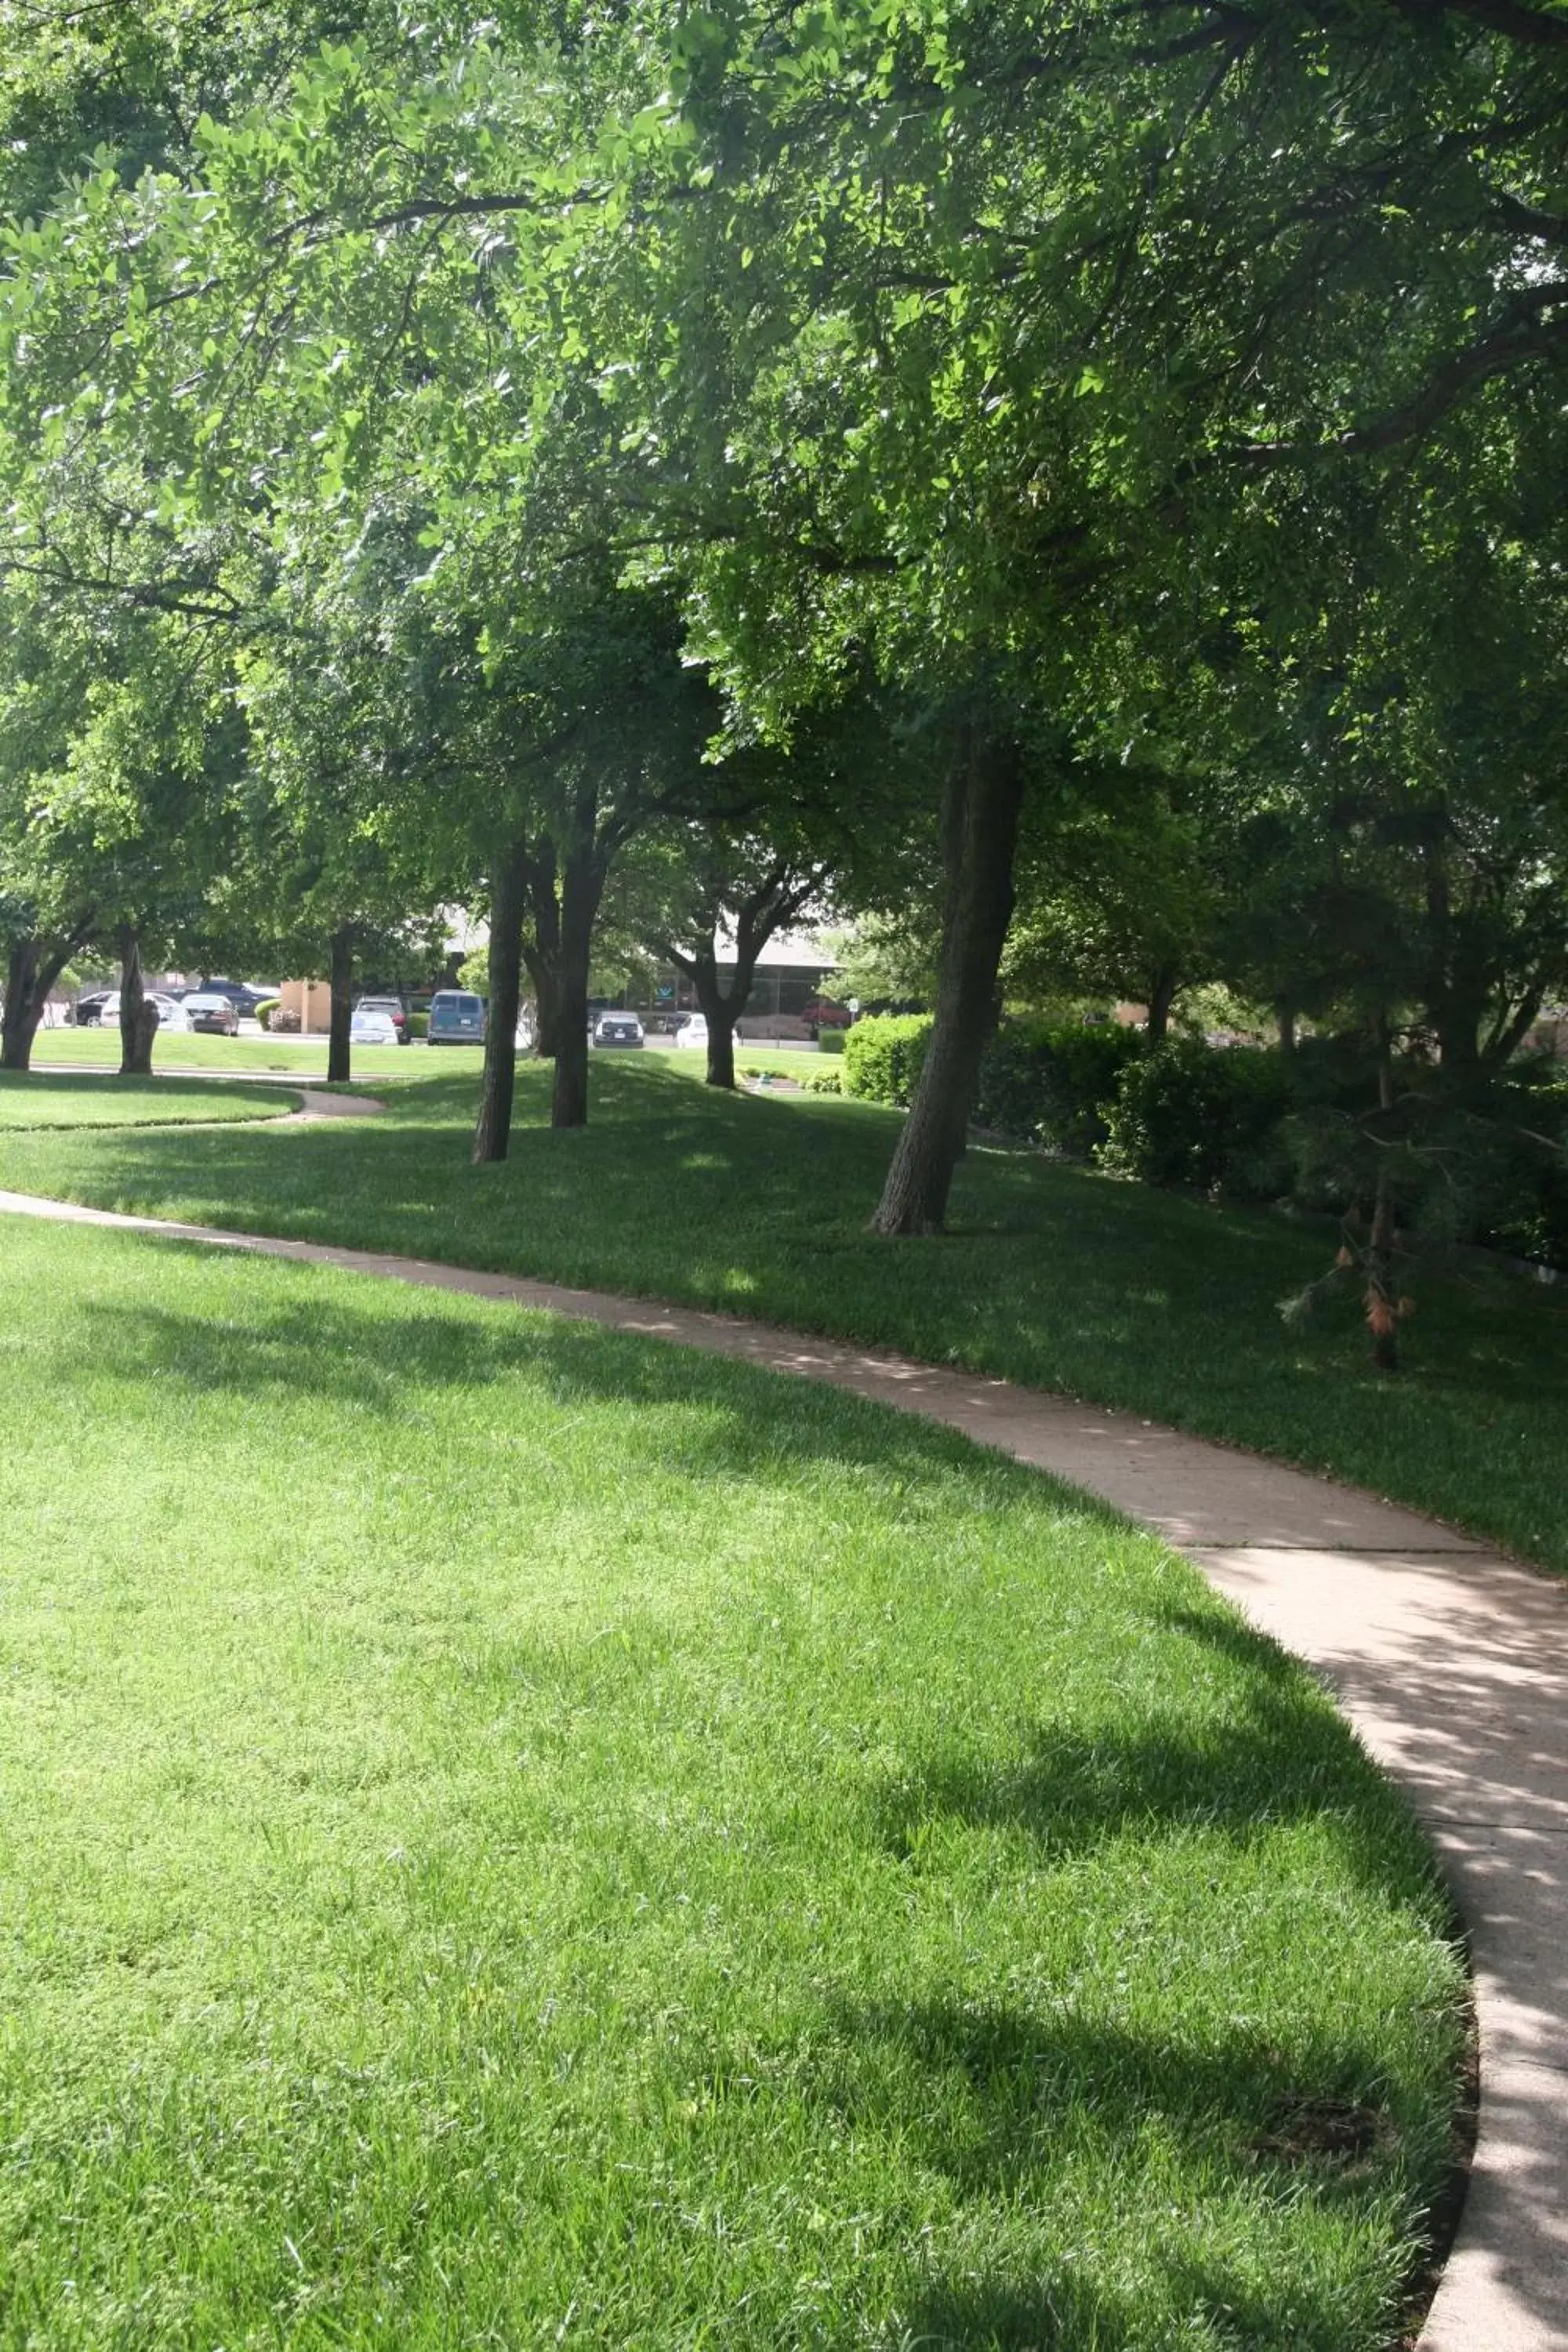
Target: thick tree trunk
<point>1458,1028</point>
<point>26,993</point>
<point>1286,1017</point>
<point>1381,1285</point>
<point>721,1010</point>
<point>582,886</point>
<point>138,1018</point>
<point>721,1045</point>
<point>547,1019</point>
<point>509,896</point>
<point>980,832</point>
<point>543,952</point>
<point>1510,1030</point>
<point>758,916</point>
<point>340,1017</point>
<point>1161,996</point>
<point>568,1096</point>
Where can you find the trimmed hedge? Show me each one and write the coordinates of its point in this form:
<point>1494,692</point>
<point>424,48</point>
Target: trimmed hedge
<point>831,1041</point>
<point>1050,1082</point>
<point>419,1024</point>
<point>1041,1082</point>
<point>1242,1122</point>
<point>1208,1119</point>
<point>265,1008</point>
<point>883,1057</point>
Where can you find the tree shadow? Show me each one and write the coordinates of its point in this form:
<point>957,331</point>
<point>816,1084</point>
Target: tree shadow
<point>1223,2307</point>
<point>1270,1752</point>
<point>717,1418</point>
<point>989,2096</point>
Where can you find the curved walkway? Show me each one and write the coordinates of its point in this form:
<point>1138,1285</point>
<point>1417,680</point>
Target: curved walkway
<point>1450,1660</point>
<point>315,1103</point>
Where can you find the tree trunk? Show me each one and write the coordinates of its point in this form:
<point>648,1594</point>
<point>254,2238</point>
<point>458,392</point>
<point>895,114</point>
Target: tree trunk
<point>980,832</point>
<point>1381,1285</point>
<point>1510,1029</point>
<point>25,999</point>
<point>582,885</point>
<point>340,1015</point>
<point>509,893</point>
<point>722,1045</point>
<point>547,1019</point>
<point>138,1018</point>
<point>758,915</point>
<point>543,952</point>
<point>1162,995</point>
<point>1287,1020</point>
<point>719,1011</point>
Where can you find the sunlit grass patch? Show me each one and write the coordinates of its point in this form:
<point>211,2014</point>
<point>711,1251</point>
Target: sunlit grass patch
<point>34,1099</point>
<point>513,1833</point>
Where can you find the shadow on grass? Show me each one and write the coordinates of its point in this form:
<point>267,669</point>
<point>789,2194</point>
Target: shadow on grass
<point>984,2090</point>
<point>1052,1276</point>
<point>989,2095</point>
<point>1270,1752</point>
<point>734,1421</point>
<point>1224,2308</point>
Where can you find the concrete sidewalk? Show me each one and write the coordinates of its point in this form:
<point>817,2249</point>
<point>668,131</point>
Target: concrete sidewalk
<point>1451,1661</point>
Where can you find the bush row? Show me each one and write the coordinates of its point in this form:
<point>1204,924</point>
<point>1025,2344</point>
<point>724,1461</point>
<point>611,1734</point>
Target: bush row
<point>1245,1123</point>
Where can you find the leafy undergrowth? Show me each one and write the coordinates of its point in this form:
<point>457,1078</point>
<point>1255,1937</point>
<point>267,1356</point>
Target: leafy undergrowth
<point>1051,1275</point>
<point>514,1835</point>
<point>38,1098</point>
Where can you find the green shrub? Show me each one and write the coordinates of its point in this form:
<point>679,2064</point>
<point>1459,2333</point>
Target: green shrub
<point>882,1056</point>
<point>824,1082</point>
<point>265,1008</point>
<point>831,1041</point>
<point>1209,1118</point>
<point>419,1024</point>
<point>1050,1082</point>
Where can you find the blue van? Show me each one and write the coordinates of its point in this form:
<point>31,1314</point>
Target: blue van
<point>456,1018</point>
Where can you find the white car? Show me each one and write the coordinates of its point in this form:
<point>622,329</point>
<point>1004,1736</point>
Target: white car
<point>693,1031</point>
<point>172,1018</point>
<point>370,1027</point>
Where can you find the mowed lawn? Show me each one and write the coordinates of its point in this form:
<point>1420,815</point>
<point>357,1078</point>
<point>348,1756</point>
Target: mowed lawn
<point>306,1058</point>
<point>1050,1275</point>
<point>37,1099</point>
<point>515,1835</point>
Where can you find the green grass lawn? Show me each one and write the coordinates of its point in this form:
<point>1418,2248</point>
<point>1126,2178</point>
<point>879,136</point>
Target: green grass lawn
<point>305,1058</point>
<point>514,1836</point>
<point>32,1100</point>
<point>1051,1275</point>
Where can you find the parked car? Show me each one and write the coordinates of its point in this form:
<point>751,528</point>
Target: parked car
<point>618,1029</point>
<point>242,995</point>
<point>373,1024</point>
<point>394,1008</point>
<point>456,1018</point>
<point>692,1030</point>
<point>172,1015</point>
<point>216,1015</point>
<point>90,1008</point>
